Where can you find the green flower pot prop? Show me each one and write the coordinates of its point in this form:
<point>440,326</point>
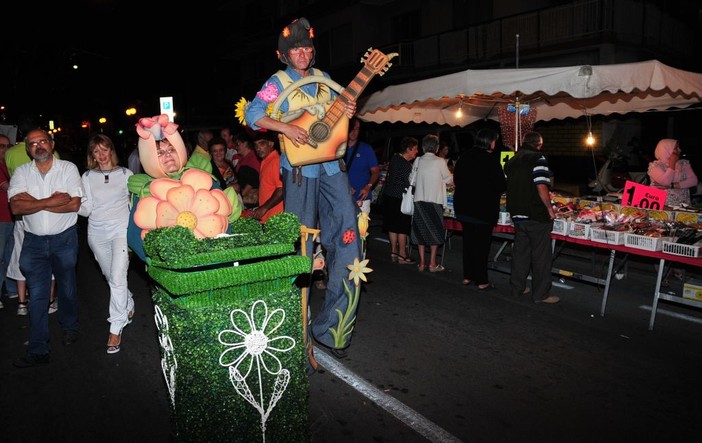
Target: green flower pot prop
<point>229,321</point>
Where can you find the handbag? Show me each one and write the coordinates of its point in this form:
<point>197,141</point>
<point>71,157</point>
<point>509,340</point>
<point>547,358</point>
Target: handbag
<point>407,205</point>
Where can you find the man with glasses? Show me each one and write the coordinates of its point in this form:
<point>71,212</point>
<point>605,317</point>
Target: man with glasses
<point>16,284</point>
<point>161,157</point>
<point>47,193</point>
<point>319,194</point>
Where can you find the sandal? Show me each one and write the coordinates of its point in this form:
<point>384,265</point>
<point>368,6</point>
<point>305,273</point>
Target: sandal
<point>420,268</point>
<point>405,261</point>
<point>437,268</point>
<point>113,349</point>
<point>130,316</point>
<point>467,282</point>
<point>393,257</point>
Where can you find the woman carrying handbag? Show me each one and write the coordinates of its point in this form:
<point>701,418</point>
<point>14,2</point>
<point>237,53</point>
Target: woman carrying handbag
<point>396,223</point>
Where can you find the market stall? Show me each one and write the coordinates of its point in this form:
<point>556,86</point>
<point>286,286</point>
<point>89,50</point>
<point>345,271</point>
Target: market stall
<point>664,249</point>
<point>548,93</point>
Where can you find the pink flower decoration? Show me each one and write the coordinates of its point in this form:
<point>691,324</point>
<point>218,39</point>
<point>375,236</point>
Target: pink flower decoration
<point>188,202</point>
<point>269,93</point>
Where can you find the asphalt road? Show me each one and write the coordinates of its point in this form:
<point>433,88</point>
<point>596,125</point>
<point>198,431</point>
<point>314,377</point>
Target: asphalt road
<point>431,360</point>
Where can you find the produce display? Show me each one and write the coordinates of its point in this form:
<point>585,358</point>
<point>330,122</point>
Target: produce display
<point>581,214</point>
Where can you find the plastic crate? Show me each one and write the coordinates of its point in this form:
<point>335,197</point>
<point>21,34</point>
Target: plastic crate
<point>644,242</point>
<point>504,219</point>
<point>673,248</point>
<point>560,226</point>
<point>581,230</point>
<point>607,236</point>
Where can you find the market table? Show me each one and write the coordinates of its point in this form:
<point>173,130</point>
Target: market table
<point>506,232</point>
<point>661,256</point>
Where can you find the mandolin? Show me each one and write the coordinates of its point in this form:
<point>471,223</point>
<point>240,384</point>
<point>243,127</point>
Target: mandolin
<point>328,130</point>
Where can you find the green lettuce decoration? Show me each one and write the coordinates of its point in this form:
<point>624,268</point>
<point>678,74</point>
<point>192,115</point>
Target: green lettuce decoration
<point>229,321</point>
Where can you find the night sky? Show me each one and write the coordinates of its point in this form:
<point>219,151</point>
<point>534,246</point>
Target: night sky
<point>128,54</point>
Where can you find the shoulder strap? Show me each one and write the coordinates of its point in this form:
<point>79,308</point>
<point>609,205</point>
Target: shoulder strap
<point>284,78</point>
<point>413,174</point>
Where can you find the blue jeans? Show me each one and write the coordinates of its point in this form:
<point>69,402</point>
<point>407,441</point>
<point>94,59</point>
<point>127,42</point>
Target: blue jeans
<point>7,242</point>
<point>41,256</point>
<point>326,203</point>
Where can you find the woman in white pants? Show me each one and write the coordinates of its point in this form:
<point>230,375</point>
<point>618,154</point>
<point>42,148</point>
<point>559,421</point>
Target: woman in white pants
<point>107,209</point>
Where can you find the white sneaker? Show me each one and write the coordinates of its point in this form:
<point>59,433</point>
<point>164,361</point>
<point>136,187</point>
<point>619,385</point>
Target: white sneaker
<point>12,296</point>
<point>22,309</point>
<point>53,307</point>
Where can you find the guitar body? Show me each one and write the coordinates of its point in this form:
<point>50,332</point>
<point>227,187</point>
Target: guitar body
<point>325,143</point>
<point>327,125</point>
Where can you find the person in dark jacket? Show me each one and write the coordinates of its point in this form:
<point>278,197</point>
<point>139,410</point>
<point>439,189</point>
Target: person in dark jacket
<point>529,205</point>
<point>479,183</point>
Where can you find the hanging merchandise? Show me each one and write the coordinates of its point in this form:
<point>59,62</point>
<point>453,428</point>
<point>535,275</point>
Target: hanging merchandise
<point>512,123</point>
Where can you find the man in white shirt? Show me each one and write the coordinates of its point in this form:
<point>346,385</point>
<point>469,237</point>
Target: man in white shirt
<point>47,193</point>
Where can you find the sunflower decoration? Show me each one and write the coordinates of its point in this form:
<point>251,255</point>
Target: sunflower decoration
<point>240,110</point>
<point>243,104</point>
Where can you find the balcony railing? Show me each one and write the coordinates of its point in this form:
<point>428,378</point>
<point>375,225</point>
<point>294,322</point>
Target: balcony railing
<point>562,29</point>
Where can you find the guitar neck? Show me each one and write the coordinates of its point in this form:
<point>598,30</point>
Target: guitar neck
<point>351,93</point>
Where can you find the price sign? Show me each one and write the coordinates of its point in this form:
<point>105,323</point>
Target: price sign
<point>505,156</point>
<point>642,196</point>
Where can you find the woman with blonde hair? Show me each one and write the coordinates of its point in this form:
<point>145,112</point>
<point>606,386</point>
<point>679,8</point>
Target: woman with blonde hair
<point>107,207</point>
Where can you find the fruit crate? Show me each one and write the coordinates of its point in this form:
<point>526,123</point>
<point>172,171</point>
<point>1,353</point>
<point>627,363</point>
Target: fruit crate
<point>645,242</point>
<point>673,248</point>
<point>560,226</point>
<point>610,237</point>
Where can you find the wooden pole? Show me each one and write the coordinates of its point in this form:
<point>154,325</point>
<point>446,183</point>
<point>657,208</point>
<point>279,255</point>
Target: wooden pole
<point>305,232</point>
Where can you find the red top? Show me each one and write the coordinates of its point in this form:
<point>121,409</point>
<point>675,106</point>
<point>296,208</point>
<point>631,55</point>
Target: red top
<point>5,214</point>
<point>250,160</point>
<point>269,181</point>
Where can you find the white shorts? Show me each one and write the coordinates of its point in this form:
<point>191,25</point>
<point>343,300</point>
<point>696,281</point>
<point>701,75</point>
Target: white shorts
<point>13,267</point>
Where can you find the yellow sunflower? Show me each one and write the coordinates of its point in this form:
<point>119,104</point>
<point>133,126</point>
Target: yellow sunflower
<point>240,110</point>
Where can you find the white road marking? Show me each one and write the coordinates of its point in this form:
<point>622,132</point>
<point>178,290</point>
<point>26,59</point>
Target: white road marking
<point>402,412</point>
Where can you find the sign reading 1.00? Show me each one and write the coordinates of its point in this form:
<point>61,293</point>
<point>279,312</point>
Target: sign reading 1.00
<point>642,196</point>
